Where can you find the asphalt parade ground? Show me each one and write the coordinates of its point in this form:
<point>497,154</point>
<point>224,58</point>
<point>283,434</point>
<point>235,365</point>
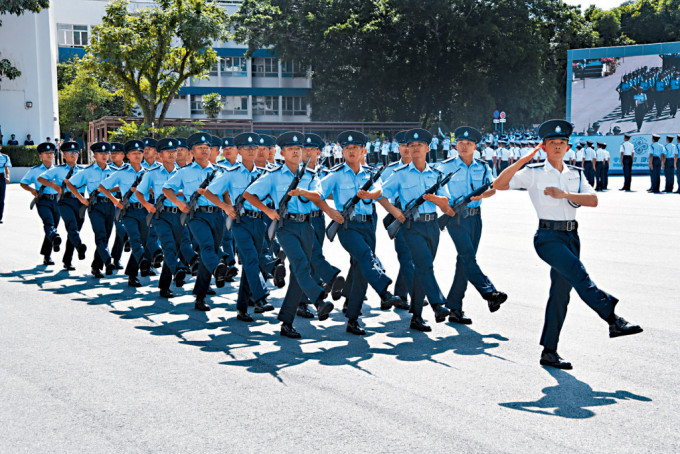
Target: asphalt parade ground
<point>96,366</point>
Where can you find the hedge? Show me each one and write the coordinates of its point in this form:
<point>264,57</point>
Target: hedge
<point>22,155</point>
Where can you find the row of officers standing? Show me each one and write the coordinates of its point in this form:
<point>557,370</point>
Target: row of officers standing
<point>204,214</point>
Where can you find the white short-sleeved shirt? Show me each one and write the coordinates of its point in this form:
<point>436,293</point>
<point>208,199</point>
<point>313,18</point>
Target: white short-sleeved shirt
<point>569,155</point>
<point>489,153</point>
<point>535,178</point>
<point>600,155</point>
<point>627,148</point>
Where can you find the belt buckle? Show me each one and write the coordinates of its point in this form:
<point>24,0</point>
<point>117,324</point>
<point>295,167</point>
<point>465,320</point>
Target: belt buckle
<point>570,225</point>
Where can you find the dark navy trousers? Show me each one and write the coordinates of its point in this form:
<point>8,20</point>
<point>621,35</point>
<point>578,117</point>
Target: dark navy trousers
<point>208,231</point>
<point>404,282</point>
<point>49,214</point>
<point>68,210</point>
<point>248,237</point>
<point>3,187</point>
<point>101,219</point>
<point>171,234</point>
<point>138,235</point>
<point>655,174</point>
<point>561,250</point>
<point>669,170</point>
<point>320,266</point>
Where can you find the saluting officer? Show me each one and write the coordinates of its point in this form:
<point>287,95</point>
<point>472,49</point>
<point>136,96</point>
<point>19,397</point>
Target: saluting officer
<point>556,191</point>
<point>408,182</point>
<point>134,218</point>
<point>466,230</point>
<point>207,224</point>
<point>295,232</point>
<point>119,243</point>
<point>46,204</point>
<point>627,155</point>
<point>67,203</point>
<point>102,213</point>
<point>248,228</point>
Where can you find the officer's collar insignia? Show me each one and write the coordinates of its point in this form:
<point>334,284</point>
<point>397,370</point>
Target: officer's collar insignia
<point>466,134</point>
<point>295,139</point>
<point>558,129</point>
<point>250,139</point>
<point>350,138</point>
<point>415,136</point>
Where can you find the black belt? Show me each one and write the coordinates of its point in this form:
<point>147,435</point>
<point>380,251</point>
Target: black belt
<point>103,200</point>
<point>207,209</point>
<point>427,217</point>
<point>253,214</point>
<point>560,226</point>
<point>362,218</point>
<point>172,210</point>
<point>135,206</point>
<point>316,214</point>
<point>297,217</point>
<point>472,212</point>
<point>49,197</point>
<point>68,194</point>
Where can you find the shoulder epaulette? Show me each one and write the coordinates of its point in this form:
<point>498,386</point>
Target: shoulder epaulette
<point>536,165</point>
<point>449,159</point>
<point>336,167</point>
<point>36,166</point>
<point>274,168</point>
<point>481,161</point>
<point>312,171</point>
<point>392,163</point>
<point>234,167</point>
<point>580,169</point>
<point>87,167</point>
<point>401,167</point>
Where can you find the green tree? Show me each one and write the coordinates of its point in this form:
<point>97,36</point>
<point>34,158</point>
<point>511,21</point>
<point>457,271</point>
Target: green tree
<point>212,105</point>
<point>17,8</point>
<point>152,52</point>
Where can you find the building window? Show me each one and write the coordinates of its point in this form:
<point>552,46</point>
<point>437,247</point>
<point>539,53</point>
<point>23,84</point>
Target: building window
<point>179,97</point>
<point>70,35</point>
<point>265,67</point>
<point>265,105</point>
<point>235,105</point>
<point>197,104</point>
<point>234,66</point>
<point>294,105</point>
<point>292,69</point>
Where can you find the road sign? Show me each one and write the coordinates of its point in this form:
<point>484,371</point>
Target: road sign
<point>495,121</point>
<point>502,115</point>
<point>496,113</point>
<point>502,120</point>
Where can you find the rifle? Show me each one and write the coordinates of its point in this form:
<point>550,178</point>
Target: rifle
<point>411,210</point>
<point>37,197</point>
<point>92,199</point>
<point>460,204</point>
<point>120,212</point>
<point>193,201</point>
<point>283,203</point>
<point>63,184</point>
<point>348,208</point>
<point>160,207</point>
<point>238,205</point>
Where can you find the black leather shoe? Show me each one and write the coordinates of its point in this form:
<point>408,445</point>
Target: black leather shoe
<point>109,269</point>
<point>145,268</point>
<point>344,307</point>
<point>418,324</point>
<point>335,286</point>
<point>288,331</point>
<point>621,327</point>
<point>244,316</point>
<point>201,305</point>
<point>117,265</point>
<point>220,274</point>
<point>69,267</point>
<point>354,327</point>
<point>495,299</point>
<point>134,282</point>
<point>157,259</point>
<point>211,292</point>
<point>440,312</point>
<point>180,277</point>
<point>402,304</point>
<point>323,309</point>
<point>167,293</point>
<point>262,306</point>
<point>232,272</point>
<point>97,274</point>
<point>126,246</point>
<point>303,311</point>
<point>82,249</point>
<point>56,243</point>
<point>280,276</point>
<point>387,300</point>
<point>458,316</point>
<point>151,272</point>
<point>552,359</point>
<point>47,261</point>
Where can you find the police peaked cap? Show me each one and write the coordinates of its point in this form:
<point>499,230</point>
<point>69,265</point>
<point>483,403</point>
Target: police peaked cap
<point>117,147</point>
<point>228,142</point>
<point>590,142</point>
<point>265,140</point>
<point>70,146</point>
<point>670,138</point>
<point>555,129</point>
<point>46,147</point>
<point>291,139</point>
<point>134,145</point>
<point>602,144</point>
<point>346,138</point>
<point>199,138</point>
<point>314,141</point>
<point>400,137</point>
<point>150,142</point>
<point>181,142</point>
<point>418,135</point>
<point>246,139</point>
<point>167,144</point>
<point>468,133</point>
<point>215,141</point>
<point>101,147</point>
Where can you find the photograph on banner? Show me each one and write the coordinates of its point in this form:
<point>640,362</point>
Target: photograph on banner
<point>642,144</point>
<point>622,95</point>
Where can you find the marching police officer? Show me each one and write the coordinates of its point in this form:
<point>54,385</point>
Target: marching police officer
<point>152,248</point>
<point>68,205</point>
<point>120,242</point>
<point>556,192</point>
<point>627,155</point>
<point>46,201</point>
<point>101,213</point>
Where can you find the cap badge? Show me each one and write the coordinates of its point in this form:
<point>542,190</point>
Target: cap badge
<point>250,139</point>
<point>350,138</point>
<point>295,139</point>
<point>309,140</point>
<point>170,143</point>
<point>203,138</point>
<point>466,134</point>
<point>415,136</point>
<point>558,129</point>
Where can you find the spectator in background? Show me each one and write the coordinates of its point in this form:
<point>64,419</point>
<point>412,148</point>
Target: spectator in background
<point>5,165</point>
<point>12,140</point>
<point>28,140</point>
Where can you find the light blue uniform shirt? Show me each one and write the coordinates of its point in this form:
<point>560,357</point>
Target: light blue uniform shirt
<point>154,180</point>
<point>275,183</point>
<point>123,178</point>
<point>4,162</point>
<point>321,172</point>
<point>408,183</point>
<point>671,150</point>
<point>657,150</point>
<point>56,175</point>
<point>189,178</point>
<point>390,169</point>
<point>147,166</point>
<point>344,184</point>
<point>466,179</point>
<point>31,178</point>
<point>235,180</point>
<point>90,178</point>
